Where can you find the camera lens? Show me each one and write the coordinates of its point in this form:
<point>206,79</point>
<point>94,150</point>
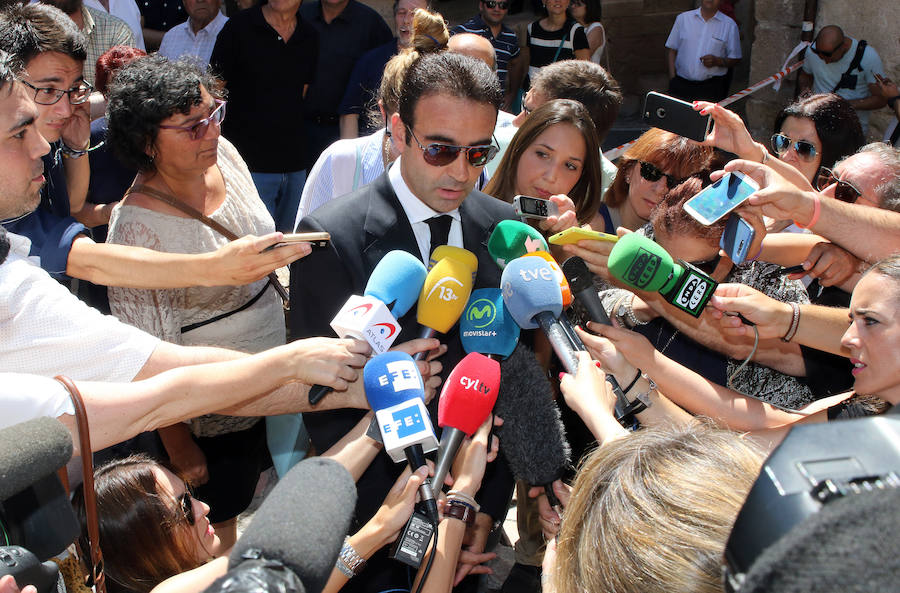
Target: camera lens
<point>661,112</point>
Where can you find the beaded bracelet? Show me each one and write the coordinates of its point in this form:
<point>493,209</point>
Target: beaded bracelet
<point>795,323</point>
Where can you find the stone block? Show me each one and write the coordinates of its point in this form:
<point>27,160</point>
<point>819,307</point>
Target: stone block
<point>761,117</point>
<point>780,11</point>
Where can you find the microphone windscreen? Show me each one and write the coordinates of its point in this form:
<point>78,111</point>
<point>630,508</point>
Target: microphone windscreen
<point>30,451</point>
<point>560,277</point>
<point>303,521</point>
<point>469,393</point>
<point>486,326</point>
<point>444,295</point>
<point>578,274</point>
<point>461,255</point>
<point>532,437</point>
<point>530,287</point>
<point>390,379</point>
<point>640,263</point>
<point>512,239</point>
<point>397,279</point>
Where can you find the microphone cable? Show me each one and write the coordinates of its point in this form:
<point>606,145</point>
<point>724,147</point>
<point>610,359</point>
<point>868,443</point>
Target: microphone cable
<point>747,360</point>
<point>430,561</point>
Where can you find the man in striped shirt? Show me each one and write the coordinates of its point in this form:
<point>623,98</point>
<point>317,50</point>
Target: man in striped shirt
<point>489,24</point>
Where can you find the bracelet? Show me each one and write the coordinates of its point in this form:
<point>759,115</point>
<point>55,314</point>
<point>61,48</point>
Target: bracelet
<point>456,509</point>
<point>641,402</point>
<point>349,562</point>
<point>893,101</point>
<point>817,209</point>
<point>645,396</point>
<point>625,312</point>
<point>633,381</point>
<point>795,323</point>
<point>72,153</point>
<point>463,497</point>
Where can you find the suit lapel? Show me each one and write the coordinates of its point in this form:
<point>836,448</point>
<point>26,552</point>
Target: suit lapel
<point>386,226</point>
<point>476,223</point>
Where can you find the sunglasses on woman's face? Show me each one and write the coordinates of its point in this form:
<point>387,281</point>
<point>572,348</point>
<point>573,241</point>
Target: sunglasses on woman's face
<point>843,191</point>
<point>805,150</point>
<point>651,173</point>
<point>186,501</point>
<point>441,155</point>
<point>198,130</point>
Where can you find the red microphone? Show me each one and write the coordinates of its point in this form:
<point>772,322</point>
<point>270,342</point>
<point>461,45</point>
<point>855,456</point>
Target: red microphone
<point>466,400</point>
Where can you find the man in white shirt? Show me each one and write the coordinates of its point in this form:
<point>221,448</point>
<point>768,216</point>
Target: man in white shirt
<point>196,36</point>
<point>703,45</point>
<point>128,11</point>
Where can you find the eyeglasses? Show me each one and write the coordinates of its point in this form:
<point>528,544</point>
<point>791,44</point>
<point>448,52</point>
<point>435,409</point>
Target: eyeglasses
<point>186,501</point>
<point>651,173</point>
<point>804,149</point>
<point>844,191</point>
<point>441,155</point>
<point>198,130</point>
<point>826,54</point>
<point>494,4</point>
<point>50,96</point>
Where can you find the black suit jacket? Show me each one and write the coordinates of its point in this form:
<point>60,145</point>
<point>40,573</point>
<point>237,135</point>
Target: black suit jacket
<point>364,226</point>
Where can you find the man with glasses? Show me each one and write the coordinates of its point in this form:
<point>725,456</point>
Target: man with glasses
<point>489,24</point>
<point>426,198</point>
<point>836,63</point>
<point>871,177</point>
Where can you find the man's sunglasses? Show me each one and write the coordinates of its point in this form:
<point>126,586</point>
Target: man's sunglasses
<point>651,173</point>
<point>843,191</point>
<point>493,4</point>
<point>186,501</point>
<point>441,155</point>
<point>805,150</point>
<point>826,54</point>
<point>198,130</point>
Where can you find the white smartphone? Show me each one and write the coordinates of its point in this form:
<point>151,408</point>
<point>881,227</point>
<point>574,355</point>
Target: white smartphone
<point>529,207</point>
<point>720,198</point>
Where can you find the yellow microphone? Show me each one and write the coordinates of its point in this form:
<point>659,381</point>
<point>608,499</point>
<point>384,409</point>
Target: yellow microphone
<point>458,253</point>
<point>444,296</point>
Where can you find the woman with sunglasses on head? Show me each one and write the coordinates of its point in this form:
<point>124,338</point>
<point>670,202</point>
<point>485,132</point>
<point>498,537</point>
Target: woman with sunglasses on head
<point>588,13</point>
<point>164,122</point>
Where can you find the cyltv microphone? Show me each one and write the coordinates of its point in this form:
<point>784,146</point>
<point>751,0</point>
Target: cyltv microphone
<point>640,263</point>
<point>301,526</point>
<point>461,255</point>
<point>531,294</point>
<point>511,239</point>
<point>395,391</point>
<point>486,326</point>
<point>444,296</point>
<point>467,399</point>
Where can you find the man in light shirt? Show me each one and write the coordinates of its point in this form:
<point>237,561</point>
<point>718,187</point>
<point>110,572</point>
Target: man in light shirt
<point>128,11</point>
<point>196,36</point>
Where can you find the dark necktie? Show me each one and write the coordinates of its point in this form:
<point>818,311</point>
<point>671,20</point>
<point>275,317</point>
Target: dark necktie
<point>440,231</point>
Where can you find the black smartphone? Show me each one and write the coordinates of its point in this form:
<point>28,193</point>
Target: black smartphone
<point>676,116</point>
<point>791,270</point>
<point>317,240</point>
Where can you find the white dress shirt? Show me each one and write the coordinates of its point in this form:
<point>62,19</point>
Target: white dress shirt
<point>181,40</point>
<point>418,212</point>
<point>694,37</point>
<point>128,11</point>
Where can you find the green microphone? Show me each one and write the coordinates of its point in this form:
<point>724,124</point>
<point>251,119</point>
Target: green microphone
<point>512,239</point>
<point>642,264</point>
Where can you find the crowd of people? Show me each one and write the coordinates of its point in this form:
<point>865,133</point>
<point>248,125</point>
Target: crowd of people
<point>143,254</point>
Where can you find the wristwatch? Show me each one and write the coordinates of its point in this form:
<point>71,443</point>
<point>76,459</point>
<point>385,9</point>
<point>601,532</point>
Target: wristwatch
<point>460,510</point>
<point>625,312</point>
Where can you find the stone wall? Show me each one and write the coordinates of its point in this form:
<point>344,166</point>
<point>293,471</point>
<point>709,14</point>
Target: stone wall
<point>778,25</point>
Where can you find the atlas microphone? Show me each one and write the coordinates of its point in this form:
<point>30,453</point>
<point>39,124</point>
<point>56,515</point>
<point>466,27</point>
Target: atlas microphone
<point>532,296</point>
<point>443,297</point>
<point>467,399</point>
<point>391,291</point>
<point>642,264</point>
<point>395,391</point>
<point>486,326</point>
<point>512,239</point>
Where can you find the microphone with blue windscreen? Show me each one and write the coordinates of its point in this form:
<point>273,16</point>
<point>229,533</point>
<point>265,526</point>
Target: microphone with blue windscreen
<point>486,326</point>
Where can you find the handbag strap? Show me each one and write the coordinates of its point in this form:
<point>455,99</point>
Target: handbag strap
<point>214,225</point>
<point>562,42</point>
<point>95,571</point>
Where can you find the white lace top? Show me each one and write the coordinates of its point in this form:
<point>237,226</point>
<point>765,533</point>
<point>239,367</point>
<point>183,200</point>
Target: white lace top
<point>164,313</point>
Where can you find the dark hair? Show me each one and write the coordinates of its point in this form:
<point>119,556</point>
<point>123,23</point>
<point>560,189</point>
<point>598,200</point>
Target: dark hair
<point>586,192</point>
<point>586,82</point>
<point>27,30</point>
<point>447,73</point>
<point>593,11</point>
<point>139,526</point>
<point>670,152</point>
<point>10,68</point>
<point>142,95</point>
<point>670,216</point>
<point>837,124</point>
<point>111,62</point>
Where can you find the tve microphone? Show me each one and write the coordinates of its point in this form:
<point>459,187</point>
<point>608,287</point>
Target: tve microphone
<point>532,437</point>
<point>512,239</point>
<point>396,281</point>
<point>532,296</point>
<point>640,263</point>
<point>443,298</point>
<point>301,525</point>
<point>466,401</point>
<point>461,255</point>
<point>574,340</point>
<point>395,391</point>
<point>486,326</point>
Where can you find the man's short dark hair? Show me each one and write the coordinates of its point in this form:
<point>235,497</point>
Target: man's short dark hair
<point>10,69</point>
<point>586,82</point>
<point>447,73</point>
<point>28,30</point>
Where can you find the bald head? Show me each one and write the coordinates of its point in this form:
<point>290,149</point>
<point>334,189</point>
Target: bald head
<point>474,46</point>
<point>829,37</point>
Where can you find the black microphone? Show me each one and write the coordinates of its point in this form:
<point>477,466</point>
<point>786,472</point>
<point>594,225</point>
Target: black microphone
<point>30,451</point>
<point>300,527</point>
<point>532,437</point>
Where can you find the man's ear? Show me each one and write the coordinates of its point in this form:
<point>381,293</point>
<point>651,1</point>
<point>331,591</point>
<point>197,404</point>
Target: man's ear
<point>398,133</point>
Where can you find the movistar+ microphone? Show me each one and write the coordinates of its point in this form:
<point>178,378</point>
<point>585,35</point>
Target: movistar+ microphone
<point>486,326</point>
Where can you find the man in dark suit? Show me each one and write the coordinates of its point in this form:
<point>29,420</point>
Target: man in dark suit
<point>443,130</point>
